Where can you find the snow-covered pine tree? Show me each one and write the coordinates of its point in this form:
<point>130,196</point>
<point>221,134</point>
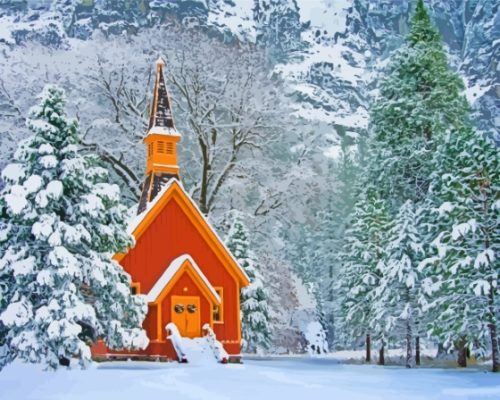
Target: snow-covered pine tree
<point>363,256</point>
<point>330,237</point>
<point>398,298</point>
<point>463,275</point>
<point>420,100</point>
<point>254,308</point>
<point>61,223</point>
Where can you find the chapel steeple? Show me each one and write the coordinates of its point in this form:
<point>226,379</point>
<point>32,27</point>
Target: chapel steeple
<point>161,141</point>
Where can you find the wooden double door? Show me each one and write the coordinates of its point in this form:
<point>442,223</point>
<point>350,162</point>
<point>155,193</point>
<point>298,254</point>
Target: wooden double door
<point>186,315</point>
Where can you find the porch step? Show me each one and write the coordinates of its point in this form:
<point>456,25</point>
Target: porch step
<point>203,350</point>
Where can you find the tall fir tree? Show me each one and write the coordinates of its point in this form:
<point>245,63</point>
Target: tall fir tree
<point>420,100</point>
<point>334,219</point>
<point>363,257</point>
<point>398,300</point>
<point>463,274</point>
<point>254,307</point>
<point>61,222</point>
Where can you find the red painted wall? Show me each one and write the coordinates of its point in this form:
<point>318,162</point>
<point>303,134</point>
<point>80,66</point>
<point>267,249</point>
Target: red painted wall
<point>170,235</point>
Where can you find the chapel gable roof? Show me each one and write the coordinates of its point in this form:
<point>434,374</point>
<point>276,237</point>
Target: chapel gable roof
<point>182,264</point>
<point>173,189</point>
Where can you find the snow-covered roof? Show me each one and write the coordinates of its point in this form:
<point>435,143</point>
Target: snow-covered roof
<point>161,130</point>
<point>136,221</point>
<point>170,273</point>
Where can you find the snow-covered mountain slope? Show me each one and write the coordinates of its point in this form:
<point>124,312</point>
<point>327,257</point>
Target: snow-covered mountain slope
<point>349,41</point>
<point>331,49</point>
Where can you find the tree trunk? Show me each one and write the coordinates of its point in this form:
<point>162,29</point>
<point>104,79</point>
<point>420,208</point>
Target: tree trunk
<point>64,362</point>
<point>494,349</point>
<point>462,353</point>
<point>368,357</point>
<point>495,357</point>
<point>203,199</point>
<point>409,352</point>
<point>381,355</point>
<point>417,350</point>
<point>441,351</point>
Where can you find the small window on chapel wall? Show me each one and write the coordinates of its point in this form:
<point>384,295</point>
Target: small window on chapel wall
<point>160,147</point>
<point>217,310</point>
<point>134,288</point>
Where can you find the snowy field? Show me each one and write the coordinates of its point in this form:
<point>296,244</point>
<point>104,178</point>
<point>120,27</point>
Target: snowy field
<point>276,379</point>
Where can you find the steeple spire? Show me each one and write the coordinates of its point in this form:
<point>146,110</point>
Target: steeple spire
<point>161,111</point>
<point>161,141</point>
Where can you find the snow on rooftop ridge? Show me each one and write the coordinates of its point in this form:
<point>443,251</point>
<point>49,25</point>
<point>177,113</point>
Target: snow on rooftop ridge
<point>169,274</point>
<point>163,130</point>
<point>135,221</point>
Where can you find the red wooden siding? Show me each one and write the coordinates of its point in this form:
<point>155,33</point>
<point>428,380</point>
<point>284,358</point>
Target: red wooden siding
<point>170,235</point>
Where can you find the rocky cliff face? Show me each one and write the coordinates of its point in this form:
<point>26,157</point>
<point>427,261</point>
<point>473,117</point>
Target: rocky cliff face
<point>330,50</point>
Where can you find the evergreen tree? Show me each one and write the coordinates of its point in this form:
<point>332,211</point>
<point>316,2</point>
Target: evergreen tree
<point>363,256</point>
<point>330,238</point>
<point>463,275</point>
<point>61,222</point>
<point>254,308</point>
<point>398,300</point>
<point>419,102</point>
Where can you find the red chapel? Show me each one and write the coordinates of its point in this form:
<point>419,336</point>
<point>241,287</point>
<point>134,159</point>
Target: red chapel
<point>178,262</point>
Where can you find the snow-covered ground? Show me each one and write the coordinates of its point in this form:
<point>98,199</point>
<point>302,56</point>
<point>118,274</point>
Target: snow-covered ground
<point>284,378</point>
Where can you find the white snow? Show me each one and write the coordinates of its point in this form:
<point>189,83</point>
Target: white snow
<point>486,257</point>
<point>236,16</point>
<point>461,230</point>
<point>196,351</point>
<point>13,172</point>
<point>316,338</point>
<point>16,199</point>
<point>46,148</point>
<point>325,13</point>
<point>33,183</point>
<point>43,227</point>
<point>445,208</point>
<point>53,191</point>
<point>264,379</point>
<point>23,267</point>
<point>476,91</point>
<point>48,161</point>
<point>16,314</point>
<point>160,130</point>
<point>169,274</point>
